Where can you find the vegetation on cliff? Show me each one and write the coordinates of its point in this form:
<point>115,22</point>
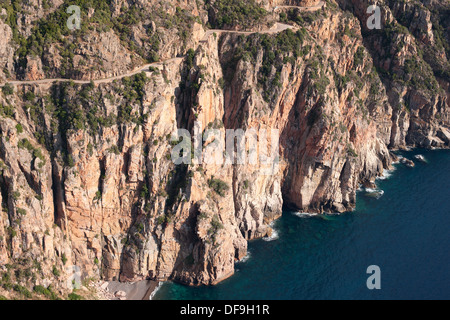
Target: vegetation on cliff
<point>277,50</point>
<point>97,18</point>
<point>225,14</point>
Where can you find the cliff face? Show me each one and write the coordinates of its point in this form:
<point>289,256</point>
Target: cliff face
<point>412,55</point>
<point>86,174</point>
<point>113,38</point>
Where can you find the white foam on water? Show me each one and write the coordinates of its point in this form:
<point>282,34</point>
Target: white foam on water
<point>377,193</point>
<point>156,290</point>
<point>273,236</point>
<point>245,259</point>
<point>421,158</point>
<point>400,158</point>
<point>333,214</point>
<point>386,174</point>
<point>305,214</point>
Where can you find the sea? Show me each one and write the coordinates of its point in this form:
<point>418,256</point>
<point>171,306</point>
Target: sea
<point>402,228</point>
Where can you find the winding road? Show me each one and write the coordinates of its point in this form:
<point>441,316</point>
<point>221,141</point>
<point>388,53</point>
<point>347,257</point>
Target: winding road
<point>143,68</point>
<point>278,27</point>
<point>303,9</point>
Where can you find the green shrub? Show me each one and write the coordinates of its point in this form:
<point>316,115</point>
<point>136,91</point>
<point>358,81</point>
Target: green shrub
<point>219,186</point>
<point>351,152</point>
<point>359,56</point>
<point>55,271</point>
<point>47,292</point>
<point>74,296</point>
<point>229,13</point>
<point>8,89</point>
<point>70,162</point>
<point>25,144</point>
<point>16,195</point>
<point>12,233</point>
<point>115,150</point>
<point>284,47</point>
<point>216,226</point>
<point>202,216</point>
<point>98,195</point>
<point>29,96</point>
<point>90,149</point>
<point>64,258</point>
<point>161,220</point>
<point>19,128</point>
<point>40,289</point>
<point>7,111</point>
<point>23,291</point>
<point>37,153</point>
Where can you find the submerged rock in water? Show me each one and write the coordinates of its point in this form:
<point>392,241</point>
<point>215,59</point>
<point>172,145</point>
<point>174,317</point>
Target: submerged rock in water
<point>374,192</point>
<point>408,162</point>
<point>420,158</point>
<point>369,185</point>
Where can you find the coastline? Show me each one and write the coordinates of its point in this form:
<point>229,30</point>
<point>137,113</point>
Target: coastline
<point>385,175</point>
<point>139,290</point>
<point>146,289</point>
<point>332,256</point>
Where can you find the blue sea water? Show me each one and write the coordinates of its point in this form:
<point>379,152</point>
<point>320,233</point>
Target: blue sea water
<point>406,232</point>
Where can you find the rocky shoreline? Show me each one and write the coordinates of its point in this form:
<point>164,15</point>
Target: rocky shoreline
<point>114,290</point>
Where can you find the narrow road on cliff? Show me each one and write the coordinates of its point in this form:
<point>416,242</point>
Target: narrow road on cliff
<point>303,9</point>
<point>277,28</point>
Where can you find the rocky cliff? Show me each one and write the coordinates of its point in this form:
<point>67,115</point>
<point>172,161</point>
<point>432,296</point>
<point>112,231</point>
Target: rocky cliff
<point>86,175</point>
